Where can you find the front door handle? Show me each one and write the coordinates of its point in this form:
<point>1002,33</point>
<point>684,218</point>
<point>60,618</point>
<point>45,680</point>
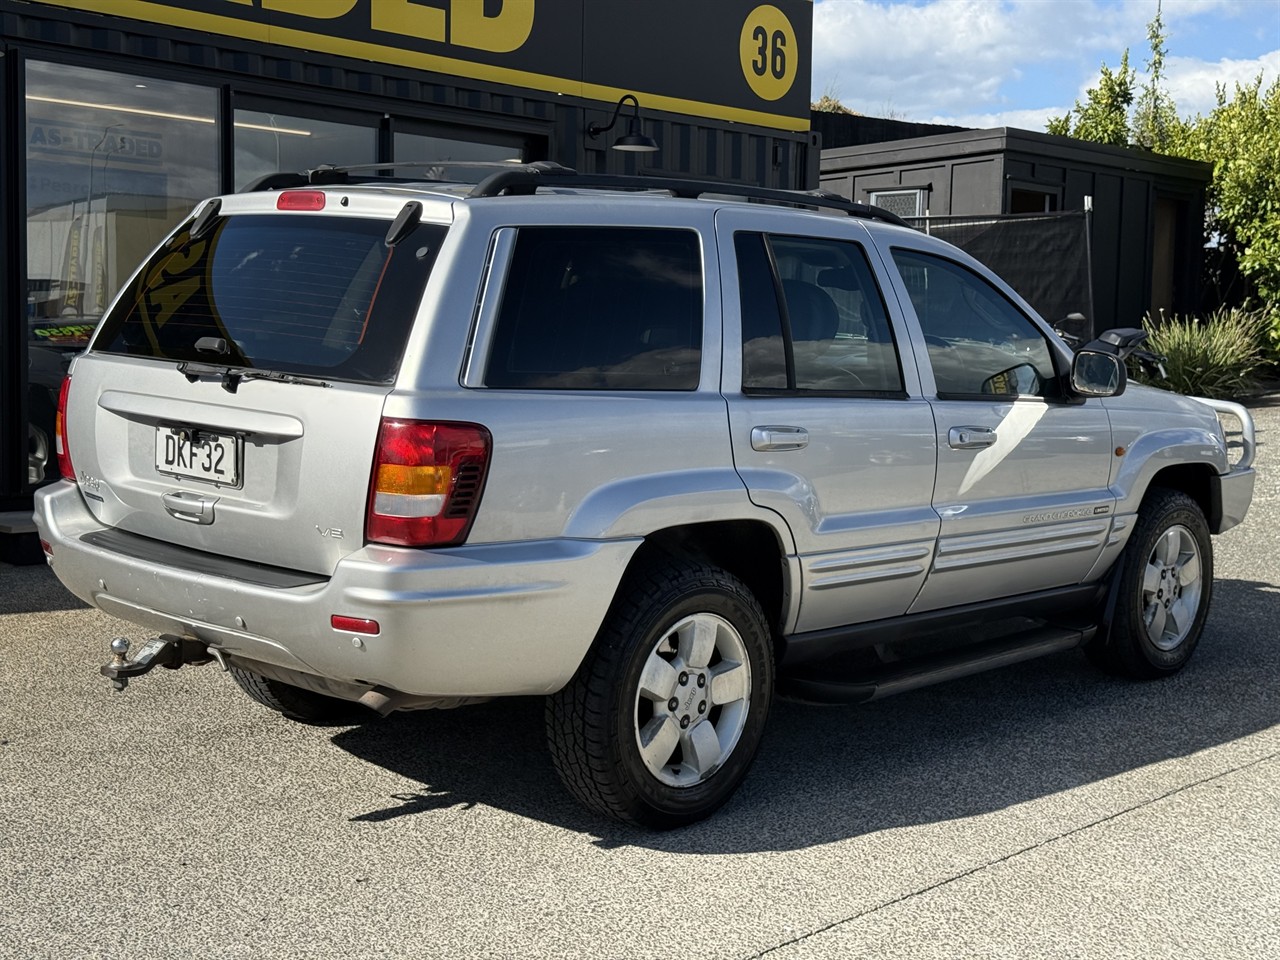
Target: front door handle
<point>970,438</point>
<point>779,438</point>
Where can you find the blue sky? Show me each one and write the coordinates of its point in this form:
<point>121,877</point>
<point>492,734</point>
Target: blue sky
<point>993,63</point>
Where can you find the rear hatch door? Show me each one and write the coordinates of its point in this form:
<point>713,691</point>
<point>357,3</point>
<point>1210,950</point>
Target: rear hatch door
<point>231,398</point>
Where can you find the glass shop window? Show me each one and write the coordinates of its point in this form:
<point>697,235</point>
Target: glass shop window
<point>453,156</point>
<point>269,142</point>
<point>114,161</point>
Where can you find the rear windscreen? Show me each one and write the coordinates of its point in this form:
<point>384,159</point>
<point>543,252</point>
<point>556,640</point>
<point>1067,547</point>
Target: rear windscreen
<point>296,294</point>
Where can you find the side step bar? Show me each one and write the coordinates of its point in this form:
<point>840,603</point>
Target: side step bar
<point>925,672</point>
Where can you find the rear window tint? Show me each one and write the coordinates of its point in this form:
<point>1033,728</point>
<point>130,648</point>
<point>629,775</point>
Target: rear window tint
<point>298,294</point>
<point>600,308</point>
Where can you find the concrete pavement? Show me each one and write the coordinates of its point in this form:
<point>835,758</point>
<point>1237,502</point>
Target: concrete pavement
<point>1043,810</point>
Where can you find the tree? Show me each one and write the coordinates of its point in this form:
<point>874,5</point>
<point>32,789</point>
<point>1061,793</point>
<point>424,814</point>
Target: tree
<point>1104,116</point>
<point>1241,138</point>
<point>1155,116</point>
<point>829,104</point>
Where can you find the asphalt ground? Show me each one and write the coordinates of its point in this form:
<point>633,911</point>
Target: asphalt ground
<point>1043,810</point>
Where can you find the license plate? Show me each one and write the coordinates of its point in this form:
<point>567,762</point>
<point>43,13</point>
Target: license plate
<point>198,455</point>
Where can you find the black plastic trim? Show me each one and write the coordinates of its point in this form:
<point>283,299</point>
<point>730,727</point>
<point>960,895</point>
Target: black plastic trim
<point>1080,603</point>
<point>197,561</point>
<point>1029,645</point>
<point>527,178</point>
<point>1214,513</point>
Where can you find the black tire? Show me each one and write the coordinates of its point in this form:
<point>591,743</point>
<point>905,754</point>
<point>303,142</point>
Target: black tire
<point>1165,585</point>
<point>297,703</point>
<point>595,725</point>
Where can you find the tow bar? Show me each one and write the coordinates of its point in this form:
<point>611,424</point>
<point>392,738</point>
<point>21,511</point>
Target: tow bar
<point>164,651</point>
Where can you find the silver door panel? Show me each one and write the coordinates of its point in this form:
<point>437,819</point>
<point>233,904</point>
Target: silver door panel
<point>851,476</point>
<point>1030,510</point>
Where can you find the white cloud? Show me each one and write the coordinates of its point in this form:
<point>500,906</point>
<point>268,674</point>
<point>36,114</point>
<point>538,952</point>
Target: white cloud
<point>946,57</point>
<point>986,63</point>
<point>1193,83</point>
<point>1033,119</point>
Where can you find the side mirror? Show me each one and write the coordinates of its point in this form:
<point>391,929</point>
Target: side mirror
<point>1095,373</point>
<point>1127,342</point>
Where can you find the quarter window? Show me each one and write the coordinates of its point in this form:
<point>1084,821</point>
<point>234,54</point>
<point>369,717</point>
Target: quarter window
<point>812,318</point>
<point>600,308</point>
<point>980,344</point>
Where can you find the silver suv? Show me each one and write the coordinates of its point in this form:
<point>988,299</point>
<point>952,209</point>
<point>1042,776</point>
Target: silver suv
<point>632,444</point>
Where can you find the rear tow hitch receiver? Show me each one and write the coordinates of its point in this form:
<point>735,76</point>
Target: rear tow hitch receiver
<point>164,651</point>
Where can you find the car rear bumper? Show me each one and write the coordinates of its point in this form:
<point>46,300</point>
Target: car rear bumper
<point>470,621</point>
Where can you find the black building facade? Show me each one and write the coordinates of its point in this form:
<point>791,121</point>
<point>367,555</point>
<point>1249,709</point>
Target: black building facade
<point>120,115</point>
<point>1145,212</point>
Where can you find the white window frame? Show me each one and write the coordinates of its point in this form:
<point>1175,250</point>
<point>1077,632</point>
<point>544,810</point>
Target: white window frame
<point>874,198</point>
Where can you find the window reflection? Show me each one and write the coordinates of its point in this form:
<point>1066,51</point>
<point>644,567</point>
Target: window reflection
<point>114,161</point>
<point>272,142</point>
<point>453,155</point>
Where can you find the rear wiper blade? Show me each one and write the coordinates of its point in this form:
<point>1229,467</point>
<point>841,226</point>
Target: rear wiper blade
<point>232,377</point>
<point>279,377</point>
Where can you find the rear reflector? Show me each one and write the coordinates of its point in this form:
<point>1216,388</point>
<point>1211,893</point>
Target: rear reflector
<point>426,483</point>
<point>354,625</point>
<point>301,200</point>
<point>48,550</point>
<point>60,434</point>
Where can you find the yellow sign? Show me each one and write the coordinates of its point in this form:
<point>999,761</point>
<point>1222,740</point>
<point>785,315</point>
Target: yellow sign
<point>594,49</point>
<point>768,52</point>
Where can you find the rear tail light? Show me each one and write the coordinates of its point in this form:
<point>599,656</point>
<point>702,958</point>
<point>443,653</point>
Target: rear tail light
<point>426,484</point>
<point>60,434</point>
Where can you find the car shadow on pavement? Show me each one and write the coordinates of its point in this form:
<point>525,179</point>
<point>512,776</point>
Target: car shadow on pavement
<point>34,589</point>
<point>824,774</point>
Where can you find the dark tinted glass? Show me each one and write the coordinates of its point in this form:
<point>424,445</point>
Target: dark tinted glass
<point>837,336</point>
<point>297,294</point>
<point>764,360</point>
<point>980,344</point>
<point>600,308</point>
<point>840,333</point>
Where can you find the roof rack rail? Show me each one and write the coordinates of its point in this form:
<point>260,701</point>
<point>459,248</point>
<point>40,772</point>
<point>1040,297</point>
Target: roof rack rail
<point>331,175</point>
<point>527,178</point>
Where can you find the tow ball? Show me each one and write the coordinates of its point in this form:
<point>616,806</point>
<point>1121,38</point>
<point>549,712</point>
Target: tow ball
<point>164,651</point>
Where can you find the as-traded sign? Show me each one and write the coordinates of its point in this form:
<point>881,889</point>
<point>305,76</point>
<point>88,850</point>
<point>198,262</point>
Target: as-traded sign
<point>729,59</point>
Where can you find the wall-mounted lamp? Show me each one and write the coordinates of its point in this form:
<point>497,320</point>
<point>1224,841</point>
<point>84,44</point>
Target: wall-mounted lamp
<point>634,141</point>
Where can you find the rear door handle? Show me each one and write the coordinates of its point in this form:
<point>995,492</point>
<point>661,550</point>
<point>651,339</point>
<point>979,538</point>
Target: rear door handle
<point>779,438</point>
<point>191,507</point>
<point>970,438</point>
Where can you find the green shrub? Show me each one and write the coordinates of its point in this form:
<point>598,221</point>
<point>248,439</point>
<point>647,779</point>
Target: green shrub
<point>1219,356</point>
<point>1272,313</point>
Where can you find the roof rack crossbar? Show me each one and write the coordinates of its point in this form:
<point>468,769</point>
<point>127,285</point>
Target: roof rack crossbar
<point>526,179</point>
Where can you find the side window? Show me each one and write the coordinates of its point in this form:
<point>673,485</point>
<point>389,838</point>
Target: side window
<point>980,344</point>
<point>600,308</point>
<point>813,318</point>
